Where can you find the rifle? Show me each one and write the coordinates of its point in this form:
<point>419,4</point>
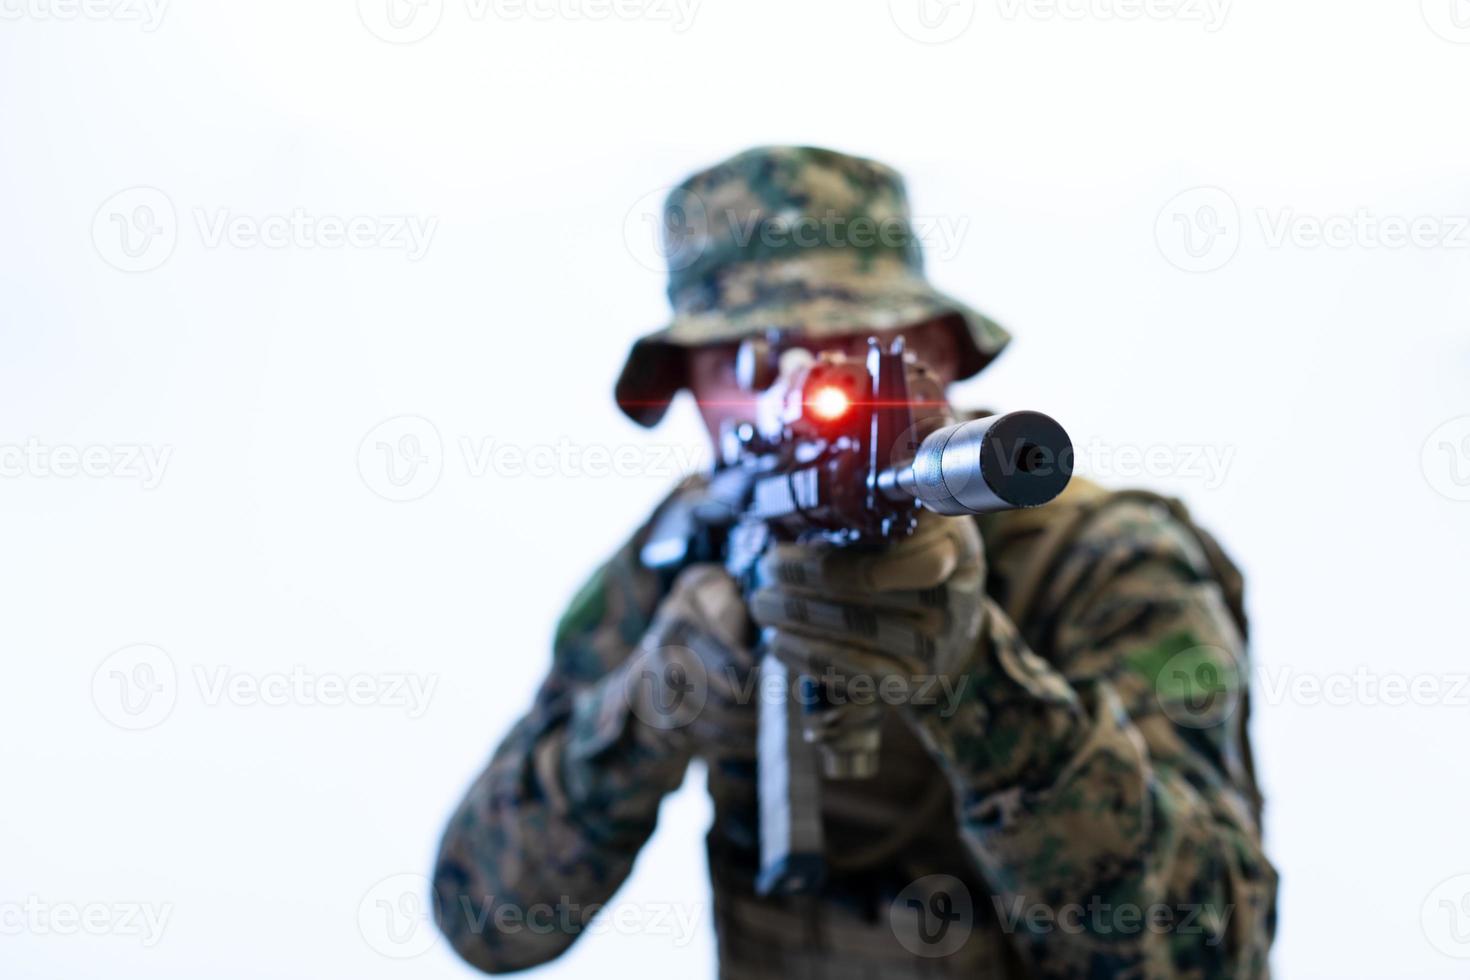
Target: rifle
<point>848,451</point>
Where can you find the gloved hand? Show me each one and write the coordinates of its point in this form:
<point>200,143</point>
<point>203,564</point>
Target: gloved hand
<point>690,683</point>
<point>915,616</point>
<point>895,617</point>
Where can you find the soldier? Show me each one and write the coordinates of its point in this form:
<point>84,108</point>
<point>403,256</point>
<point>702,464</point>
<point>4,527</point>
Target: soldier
<point>1080,800</point>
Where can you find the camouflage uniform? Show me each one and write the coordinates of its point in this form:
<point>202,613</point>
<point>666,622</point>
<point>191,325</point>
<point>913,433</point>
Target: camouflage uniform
<point>1086,808</point>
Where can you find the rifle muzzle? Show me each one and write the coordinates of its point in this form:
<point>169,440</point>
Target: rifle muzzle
<point>1020,459</point>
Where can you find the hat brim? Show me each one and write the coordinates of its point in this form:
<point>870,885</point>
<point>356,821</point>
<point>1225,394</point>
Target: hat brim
<point>657,365</point>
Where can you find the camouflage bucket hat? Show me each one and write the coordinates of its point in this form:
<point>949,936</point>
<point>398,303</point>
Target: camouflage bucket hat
<point>797,239</point>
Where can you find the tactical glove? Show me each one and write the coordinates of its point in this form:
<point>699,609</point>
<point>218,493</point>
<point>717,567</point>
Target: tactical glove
<point>690,682</point>
<point>891,618</point>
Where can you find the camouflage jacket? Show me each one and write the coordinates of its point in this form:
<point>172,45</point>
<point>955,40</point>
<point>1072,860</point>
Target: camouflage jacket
<point>1120,838</point>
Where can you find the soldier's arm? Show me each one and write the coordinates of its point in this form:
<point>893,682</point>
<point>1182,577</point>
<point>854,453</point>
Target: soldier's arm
<point>553,825</point>
<point>1107,802</point>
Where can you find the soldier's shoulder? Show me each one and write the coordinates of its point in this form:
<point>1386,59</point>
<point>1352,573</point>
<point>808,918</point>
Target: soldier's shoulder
<point>1091,535</point>
<point>1086,512</point>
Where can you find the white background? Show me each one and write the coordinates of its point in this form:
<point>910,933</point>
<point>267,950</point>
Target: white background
<point>1058,140</point>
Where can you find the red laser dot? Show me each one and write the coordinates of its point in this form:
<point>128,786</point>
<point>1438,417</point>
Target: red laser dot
<point>829,403</point>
